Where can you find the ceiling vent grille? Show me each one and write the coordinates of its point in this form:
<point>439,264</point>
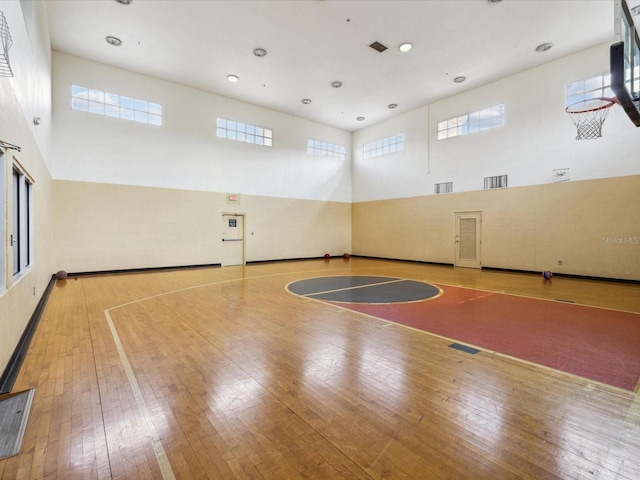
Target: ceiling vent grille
<point>378,47</point>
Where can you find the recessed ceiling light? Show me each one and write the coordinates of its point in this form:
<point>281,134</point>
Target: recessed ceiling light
<point>259,52</point>
<point>124,2</point>
<point>360,119</point>
<point>392,106</point>
<point>233,78</point>
<point>543,47</point>
<point>336,84</point>
<point>405,47</point>
<point>460,79</point>
<point>306,101</point>
<point>115,41</point>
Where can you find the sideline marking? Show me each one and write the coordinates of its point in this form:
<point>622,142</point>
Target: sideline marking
<point>158,449</point>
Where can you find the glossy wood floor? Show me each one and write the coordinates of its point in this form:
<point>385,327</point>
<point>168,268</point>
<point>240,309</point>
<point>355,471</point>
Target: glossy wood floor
<point>220,373</point>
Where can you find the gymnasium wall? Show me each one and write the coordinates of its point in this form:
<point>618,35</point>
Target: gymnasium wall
<point>21,97</point>
<point>101,226</point>
<point>591,226</point>
<point>131,195</point>
<point>533,223</point>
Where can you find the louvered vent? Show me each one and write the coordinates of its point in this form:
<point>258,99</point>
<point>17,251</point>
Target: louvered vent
<point>377,46</point>
<point>446,187</point>
<point>499,181</point>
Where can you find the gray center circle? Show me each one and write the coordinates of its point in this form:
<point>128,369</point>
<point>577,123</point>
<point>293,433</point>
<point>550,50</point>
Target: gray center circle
<point>364,289</point>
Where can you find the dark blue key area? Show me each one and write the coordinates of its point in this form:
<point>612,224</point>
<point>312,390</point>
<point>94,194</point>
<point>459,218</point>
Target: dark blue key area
<point>364,289</point>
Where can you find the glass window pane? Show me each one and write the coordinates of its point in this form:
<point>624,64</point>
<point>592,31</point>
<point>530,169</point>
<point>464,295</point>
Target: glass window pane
<point>268,133</point>
<point>155,108</point>
<point>221,122</point>
<point>155,119</point>
<point>241,136</point>
<point>95,107</point>
<point>79,92</point>
<point>259,140</point>
<point>593,83</point>
<point>268,142</point>
<point>142,117</point>
<point>142,106</point>
<point>111,99</point>
<point>126,113</point>
<point>112,111</point>
<point>127,102</point>
<point>221,132</point>
<point>231,125</point>
<point>96,96</point>
<point>251,138</point>
<point>79,104</point>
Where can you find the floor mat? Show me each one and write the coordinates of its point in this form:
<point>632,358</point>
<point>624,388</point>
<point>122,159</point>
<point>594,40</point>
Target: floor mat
<point>14,413</point>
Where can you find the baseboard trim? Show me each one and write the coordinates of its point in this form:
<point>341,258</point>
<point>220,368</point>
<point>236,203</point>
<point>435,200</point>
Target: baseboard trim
<point>12,369</point>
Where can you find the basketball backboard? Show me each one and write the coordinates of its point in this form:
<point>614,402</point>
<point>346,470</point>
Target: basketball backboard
<point>625,58</point>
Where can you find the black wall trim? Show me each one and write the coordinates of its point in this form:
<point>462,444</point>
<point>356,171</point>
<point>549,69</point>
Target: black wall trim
<point>565,275</point>
<point>142,270</point>
<point>10,373</point>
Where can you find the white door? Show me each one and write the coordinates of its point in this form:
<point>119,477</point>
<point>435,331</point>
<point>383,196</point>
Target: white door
<point>468,239</point>
<point>232,239</point>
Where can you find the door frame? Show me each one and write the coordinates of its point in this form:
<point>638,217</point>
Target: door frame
<point>477,263</point>
<point>244,228</point>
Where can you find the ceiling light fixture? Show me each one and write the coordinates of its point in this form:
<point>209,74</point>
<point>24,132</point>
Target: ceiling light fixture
<point>405,47</point>
<point>543,47</point>
<point>360,119</point>
<point>124,2</point>
<point>495,1</point>
<point>259,52</point>
<point>111,40</point>
<point>306,101</point>
<point>233,78</point>
<point>336,84</point>
<point>635,11</point>
<point>392,106</point>
<point>460,79</point>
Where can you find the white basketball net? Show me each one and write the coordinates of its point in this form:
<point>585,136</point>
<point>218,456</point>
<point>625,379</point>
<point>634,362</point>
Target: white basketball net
<point>589,115</point>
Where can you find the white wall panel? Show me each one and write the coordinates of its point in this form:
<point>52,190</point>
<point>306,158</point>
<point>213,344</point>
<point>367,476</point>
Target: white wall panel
<point>184,152</point>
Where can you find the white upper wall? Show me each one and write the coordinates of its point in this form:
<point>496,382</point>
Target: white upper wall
<point>184,153</point>
<point>30,57</point>
<point>536,138</point>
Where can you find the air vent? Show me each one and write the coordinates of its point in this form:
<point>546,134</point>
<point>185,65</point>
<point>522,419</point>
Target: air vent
<point>446,187</point>
<point>499,181</point>
<point>377,46</point>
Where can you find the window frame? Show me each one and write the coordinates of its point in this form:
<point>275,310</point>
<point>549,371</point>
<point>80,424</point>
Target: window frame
<point>471,122</point>
<point>383,146</point>
<point>244,132</point>
<point>321,148</point>
<point>21,237</point>
<point>597,86</point>
<point>91,100</point>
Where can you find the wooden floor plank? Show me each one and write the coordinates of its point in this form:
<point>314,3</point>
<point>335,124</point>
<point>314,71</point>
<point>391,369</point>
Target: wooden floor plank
<point>240,379</point>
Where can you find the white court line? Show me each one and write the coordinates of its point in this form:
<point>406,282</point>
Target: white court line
<point>353,287</point>
<point>158,449</point>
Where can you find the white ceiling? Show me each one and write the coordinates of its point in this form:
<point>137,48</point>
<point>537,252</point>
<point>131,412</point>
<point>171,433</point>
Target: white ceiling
<point>311,43</point>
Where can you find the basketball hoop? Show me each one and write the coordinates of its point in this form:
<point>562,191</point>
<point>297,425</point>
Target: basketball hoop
<point>589,115</point>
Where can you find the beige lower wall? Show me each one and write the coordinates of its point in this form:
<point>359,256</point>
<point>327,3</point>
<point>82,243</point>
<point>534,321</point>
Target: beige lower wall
<point>102,227</point>
<point>592,226</point>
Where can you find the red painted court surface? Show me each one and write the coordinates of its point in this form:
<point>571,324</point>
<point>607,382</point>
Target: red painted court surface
<point>595,343</point>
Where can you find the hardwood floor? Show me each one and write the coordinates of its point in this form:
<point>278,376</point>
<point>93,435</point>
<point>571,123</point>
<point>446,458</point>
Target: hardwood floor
<point>220,373</point>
